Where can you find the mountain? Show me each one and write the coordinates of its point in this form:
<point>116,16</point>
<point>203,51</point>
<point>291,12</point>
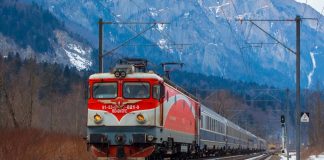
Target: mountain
<point>219,45</point>
<point>34,32</point>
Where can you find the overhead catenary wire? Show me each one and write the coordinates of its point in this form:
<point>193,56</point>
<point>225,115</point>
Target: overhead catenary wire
<point>128,40</point>
<point>236,41</point>
<point>153,44</point>
<point>146,45</point>
<point>129,28</point>
<point>245,38</point>
<point>135,32</point>
<point>166,35</point>
<point>271,36</point>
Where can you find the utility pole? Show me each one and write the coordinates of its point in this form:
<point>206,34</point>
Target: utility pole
<point>100,58</point>
<point>286,126</point>
<point>298,20</point>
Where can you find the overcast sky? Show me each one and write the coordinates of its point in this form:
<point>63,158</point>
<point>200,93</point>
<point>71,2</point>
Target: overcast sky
<point>316,4</point>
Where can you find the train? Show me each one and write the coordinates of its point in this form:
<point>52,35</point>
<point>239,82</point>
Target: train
<point>135,113</point>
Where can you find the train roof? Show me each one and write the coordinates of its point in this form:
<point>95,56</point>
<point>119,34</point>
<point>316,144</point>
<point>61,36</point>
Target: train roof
<point>131,75</point>
<point>228,122</point>
<point>213,113</point>
<point>166,80</point>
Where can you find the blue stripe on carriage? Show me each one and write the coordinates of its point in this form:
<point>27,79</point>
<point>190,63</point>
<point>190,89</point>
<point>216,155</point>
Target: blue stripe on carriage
<point>211,136</point>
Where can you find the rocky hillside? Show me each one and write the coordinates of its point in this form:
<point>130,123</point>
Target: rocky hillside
<point>34,32</point>
<point>219,45</point>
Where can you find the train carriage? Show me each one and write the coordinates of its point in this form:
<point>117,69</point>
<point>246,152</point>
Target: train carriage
<point>233,133</point>
<point>212,131</point>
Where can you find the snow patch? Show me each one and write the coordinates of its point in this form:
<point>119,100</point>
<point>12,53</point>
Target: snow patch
<point>186,14</point>
<point>162,43</point>
<point>213,44</point>
<point>75,53</point>
<point>292,154</point>
<point>79,62</point>
<point>161,27</point>
<point>216,9</point>
<point>153,12</point>
<point>264,7</point>
<point>316,157</point>
<point>311,73</point>
<point>152,9</point>
<point>76,48</point>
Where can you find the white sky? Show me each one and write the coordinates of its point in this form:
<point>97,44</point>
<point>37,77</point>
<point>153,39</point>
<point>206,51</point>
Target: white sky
<point>316,4</point>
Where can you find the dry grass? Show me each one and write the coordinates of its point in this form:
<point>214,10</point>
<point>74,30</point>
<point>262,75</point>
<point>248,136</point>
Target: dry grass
<point>33,144</point>
<point>313,150</point>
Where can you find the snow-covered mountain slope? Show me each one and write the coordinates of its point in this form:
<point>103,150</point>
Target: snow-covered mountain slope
<point>219,45</point>
<point>77,53</point>
<point>67,51</point>
<point>32,32</point>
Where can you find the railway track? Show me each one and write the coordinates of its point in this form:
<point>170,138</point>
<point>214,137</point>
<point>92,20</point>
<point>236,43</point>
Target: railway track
<point>256,156</point>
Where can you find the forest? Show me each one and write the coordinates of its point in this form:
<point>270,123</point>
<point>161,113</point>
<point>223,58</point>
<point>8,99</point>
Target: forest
<point>43,105</point>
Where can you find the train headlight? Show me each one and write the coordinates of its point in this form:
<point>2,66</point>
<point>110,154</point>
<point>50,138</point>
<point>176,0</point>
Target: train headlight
<point>97,118</point>
<point>140,118</point>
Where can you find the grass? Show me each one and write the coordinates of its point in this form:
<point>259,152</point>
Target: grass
<point>34,144</point>
<point>312,150</point>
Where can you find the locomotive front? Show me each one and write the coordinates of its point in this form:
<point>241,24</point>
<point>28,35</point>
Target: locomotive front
<point>124,112</point>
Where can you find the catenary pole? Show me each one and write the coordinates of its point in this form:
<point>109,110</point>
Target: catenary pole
<point>287,121</point>
<point>298,20</point>
<point>100,47</point>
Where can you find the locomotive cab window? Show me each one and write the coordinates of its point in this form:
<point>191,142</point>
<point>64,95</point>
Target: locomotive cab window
<point>136,90</point>
<point>104,90</point>
<point>156,92</point>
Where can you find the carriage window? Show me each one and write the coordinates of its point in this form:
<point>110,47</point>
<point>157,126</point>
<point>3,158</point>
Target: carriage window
<point>105,90</point>
<point>156,92</point>
<point>207,120</point>
<point>136,90</point>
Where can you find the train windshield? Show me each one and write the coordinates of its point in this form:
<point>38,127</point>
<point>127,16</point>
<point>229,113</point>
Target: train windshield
<point>105,90</point>
<point>136,90</point>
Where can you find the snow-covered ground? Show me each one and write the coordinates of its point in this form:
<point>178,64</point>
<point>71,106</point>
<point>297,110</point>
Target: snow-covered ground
<point>312,157</point>
<point>317,157</point>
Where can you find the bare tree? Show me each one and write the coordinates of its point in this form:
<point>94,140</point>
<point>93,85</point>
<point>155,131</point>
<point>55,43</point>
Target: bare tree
<point>225,103</point>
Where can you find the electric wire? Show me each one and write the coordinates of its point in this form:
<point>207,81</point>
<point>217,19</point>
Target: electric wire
<point>162,33</point>
<point>246,66</point>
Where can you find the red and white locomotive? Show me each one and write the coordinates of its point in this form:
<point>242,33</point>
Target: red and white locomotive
<point>137,114</point>
<point>133,113</point>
